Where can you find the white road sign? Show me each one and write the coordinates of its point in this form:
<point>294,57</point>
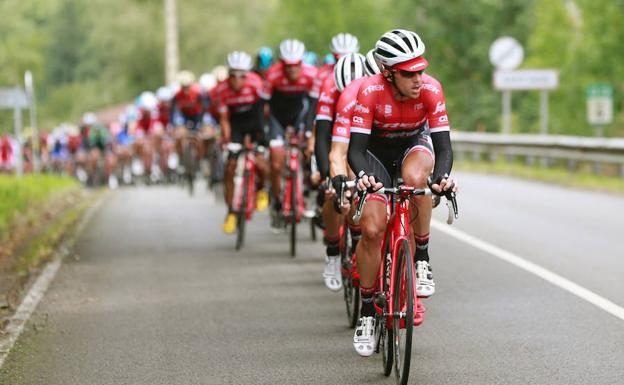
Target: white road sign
<point>600,104</point>
<point>13,97</point>
<point>526,80</point>
<point>506,53</point>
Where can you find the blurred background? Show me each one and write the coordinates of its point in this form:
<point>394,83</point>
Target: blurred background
<point>89,55</point>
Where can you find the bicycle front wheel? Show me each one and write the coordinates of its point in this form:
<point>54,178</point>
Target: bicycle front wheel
<point>293,216</point>
<point>403,317</point>
<point>241,218</point>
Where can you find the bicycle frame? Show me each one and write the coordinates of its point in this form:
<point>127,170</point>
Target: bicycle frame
<point>245,182</point>
<point>397,231</point>
<point>293,179</point>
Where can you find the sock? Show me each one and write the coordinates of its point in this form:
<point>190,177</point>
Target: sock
<point>356,234</point>
<point>333,246</point>
<point>422,245</point>
<point>367,295</point>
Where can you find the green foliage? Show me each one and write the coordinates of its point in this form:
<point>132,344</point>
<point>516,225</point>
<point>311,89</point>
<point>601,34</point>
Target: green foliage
<point>17,194</point>
<point>90,55</point>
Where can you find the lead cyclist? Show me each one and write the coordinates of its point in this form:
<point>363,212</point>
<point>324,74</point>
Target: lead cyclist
<point>399,127</point>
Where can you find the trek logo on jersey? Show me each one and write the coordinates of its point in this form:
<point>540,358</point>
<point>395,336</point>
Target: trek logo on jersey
<point>349,106</point>
<point>361,108</point>
<point>431,87</point>
<point>373,88</point>
<point>388,110</point>
<point>440,107</point>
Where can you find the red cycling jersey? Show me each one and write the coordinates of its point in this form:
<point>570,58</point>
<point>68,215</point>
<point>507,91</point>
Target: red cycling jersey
<point>6,150</point>
<point>326,70</point>
<point>325,109</point>
<point>164,110</point>
<point>241,101</point>
<point>190,103</point>
<point>379,114</point>
<point>276,80</point>
<point>146,122</point>
<point>344,109</point>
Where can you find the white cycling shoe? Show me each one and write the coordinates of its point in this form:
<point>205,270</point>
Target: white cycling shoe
<point>332,274</point>
<point>425,287</point>
<point>364,338</point>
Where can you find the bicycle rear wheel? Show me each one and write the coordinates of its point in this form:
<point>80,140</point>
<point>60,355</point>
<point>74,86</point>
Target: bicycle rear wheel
<point>189,166</point>
<point>241,218</point>
<point>403,319</point>
<point>351,292</point>
<point>293,216</point>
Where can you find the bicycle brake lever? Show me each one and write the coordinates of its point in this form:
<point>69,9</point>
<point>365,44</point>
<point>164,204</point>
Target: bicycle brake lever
<point>358,212</point>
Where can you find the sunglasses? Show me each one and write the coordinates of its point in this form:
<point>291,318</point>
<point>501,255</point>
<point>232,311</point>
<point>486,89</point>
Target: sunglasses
<point>410,74</point>
<point>238,75</point>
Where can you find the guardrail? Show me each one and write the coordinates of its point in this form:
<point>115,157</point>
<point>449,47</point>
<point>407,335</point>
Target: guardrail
<point>602,153</point>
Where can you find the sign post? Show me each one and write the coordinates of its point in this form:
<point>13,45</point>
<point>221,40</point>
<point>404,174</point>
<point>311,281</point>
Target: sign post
<point>599,106</point>
<point>30,92</point>
<point>506,54</point>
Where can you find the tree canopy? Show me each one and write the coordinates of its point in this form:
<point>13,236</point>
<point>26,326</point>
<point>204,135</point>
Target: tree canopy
<point>90,55</point>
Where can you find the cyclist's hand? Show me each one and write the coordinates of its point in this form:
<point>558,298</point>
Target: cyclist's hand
<point>368,182</point>
<point>443,185</point>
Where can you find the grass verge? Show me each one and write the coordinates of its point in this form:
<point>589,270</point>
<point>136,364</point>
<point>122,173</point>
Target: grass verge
<point>17,195</point>
<point>556,175</point>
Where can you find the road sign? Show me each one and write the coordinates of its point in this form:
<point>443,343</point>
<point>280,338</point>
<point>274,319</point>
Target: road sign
<point>526,80</point>
<point>599,104</point>
<point>506,53</point>
<point>13,98</point>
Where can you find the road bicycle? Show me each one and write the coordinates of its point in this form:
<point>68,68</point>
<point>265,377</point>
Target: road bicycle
<point>293,204</point>
<point>245,178</point>
<point>398,307</point>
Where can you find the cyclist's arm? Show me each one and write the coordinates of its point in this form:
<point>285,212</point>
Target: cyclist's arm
<point>321,146</point>
<point>226,128</point>
<point>443,154</point>
<point>172,112</point>
<point>261,119</point>
<point>311,113</point>
<point>338,159</point>
<point>357,153</point>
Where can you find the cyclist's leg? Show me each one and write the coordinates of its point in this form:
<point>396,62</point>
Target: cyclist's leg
<point>277,158</point>
<point>415,169</point>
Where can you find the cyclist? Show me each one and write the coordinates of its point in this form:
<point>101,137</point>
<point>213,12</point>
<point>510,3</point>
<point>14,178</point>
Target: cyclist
<point>341,44</point>
<point>187,108</point>
<point>148,130</point>
<point>7,159</point>
<point>400,116</point>
<point>287,88</point>
<point>264,59</point>
<point>241,114</point>
<point>348,68</point>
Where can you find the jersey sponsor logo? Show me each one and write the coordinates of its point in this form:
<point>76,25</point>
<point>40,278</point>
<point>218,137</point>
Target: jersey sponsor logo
<point>361,108</point>
<point>440,107</point>
<point>443,119</point>
<point>325,109</point>
<point>342,120</point>
<point>349,106</point>
<point>373,88</point>
<point>419,106</point>
<point>431,87</point>
<point>341,130</point>
<point>324,98</point>
<point>358,119</point>
<point>388,109</point>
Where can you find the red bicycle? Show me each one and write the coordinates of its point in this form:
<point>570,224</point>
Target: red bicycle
<point>244,199</point>
<point>293,204</point>
<point>397,304</point>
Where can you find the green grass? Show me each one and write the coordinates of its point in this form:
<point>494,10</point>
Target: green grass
<point>555,175</point>
<point>17,195</point>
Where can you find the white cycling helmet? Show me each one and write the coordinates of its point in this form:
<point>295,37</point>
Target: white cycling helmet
<point>239,60</point>
<point>344,43</point>
<point>348,68</point>
<point>89,119</point>
<point>164,94</point>
<point>370,64</point>
<point>220,73</point>
<point>401,47</point>
<point>148,101</point>
<point>207,81</point>
<point>185,78</point>
<point>291,51</point>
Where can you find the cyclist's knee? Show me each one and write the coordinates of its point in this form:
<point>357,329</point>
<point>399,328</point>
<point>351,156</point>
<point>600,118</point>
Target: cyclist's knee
<point>373,231</point>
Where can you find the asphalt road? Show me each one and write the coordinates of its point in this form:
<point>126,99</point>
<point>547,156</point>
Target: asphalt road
<point>157,295</point>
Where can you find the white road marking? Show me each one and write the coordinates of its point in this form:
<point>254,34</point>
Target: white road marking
<point>17,322</point>
<point>532,268</point>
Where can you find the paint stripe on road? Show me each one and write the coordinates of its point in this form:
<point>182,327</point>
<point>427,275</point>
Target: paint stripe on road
<point>532,268</point>
<point>17,322</point>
